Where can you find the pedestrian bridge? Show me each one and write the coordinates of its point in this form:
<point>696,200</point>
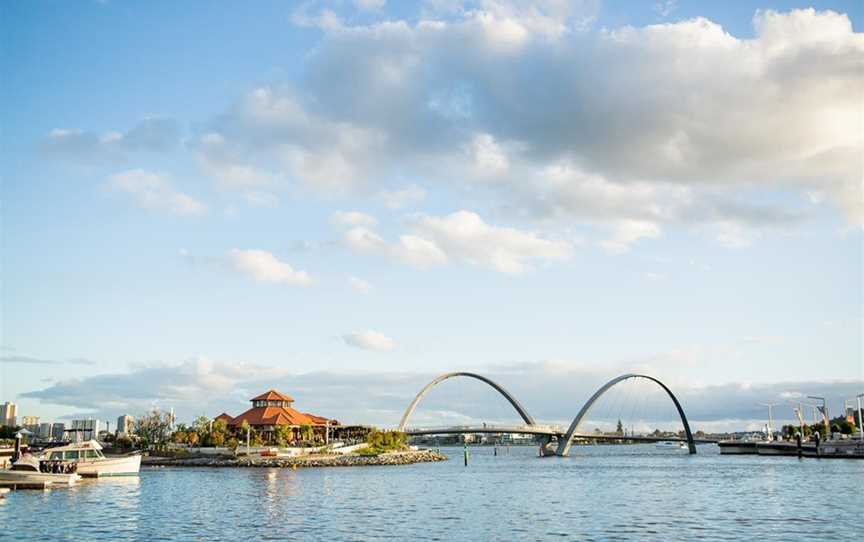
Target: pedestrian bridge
<point>557,431</point>
<point>535,429</point>
<point>546,433</point>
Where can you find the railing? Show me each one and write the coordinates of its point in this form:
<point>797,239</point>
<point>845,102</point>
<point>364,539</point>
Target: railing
<point>489,428</point>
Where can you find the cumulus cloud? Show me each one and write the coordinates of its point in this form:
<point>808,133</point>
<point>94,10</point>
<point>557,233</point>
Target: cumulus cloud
<point>353,218</point>
<point>453,99</point>
<point>552,391</point>
<point>150,135</point>
<point>154,191</point>
<point>369,340</point>
<point>397,199</point>
<point>462,237</point>
<point>262,266</point>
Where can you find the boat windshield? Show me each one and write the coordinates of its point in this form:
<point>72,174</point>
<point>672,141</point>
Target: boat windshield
<point>74,455</point>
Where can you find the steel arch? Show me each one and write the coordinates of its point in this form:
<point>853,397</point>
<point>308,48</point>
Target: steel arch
<point>516,404</point>
<point>565,443</point>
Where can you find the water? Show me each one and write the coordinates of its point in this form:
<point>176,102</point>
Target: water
<point>600,493</point>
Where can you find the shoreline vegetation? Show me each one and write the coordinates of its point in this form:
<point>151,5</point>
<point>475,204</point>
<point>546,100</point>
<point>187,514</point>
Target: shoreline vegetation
<point>407,457</point>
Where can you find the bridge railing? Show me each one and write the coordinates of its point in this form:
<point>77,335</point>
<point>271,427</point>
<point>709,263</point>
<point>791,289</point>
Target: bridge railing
<point>489,428</point>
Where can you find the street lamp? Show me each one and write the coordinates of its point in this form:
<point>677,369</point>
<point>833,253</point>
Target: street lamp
<point>860,419</point>
<point>824,410</point>
<point>770,430</point>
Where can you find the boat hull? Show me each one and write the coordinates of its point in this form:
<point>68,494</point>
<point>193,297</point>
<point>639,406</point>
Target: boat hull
<point>29,477</point>
<point>110,466</point>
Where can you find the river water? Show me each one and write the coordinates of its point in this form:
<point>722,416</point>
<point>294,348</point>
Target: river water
<point>598,493</point>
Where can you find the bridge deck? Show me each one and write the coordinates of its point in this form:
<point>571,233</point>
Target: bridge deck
<point>548,430</point>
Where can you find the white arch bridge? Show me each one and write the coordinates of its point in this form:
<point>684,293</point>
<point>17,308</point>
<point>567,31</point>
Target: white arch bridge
<point>546,433</point>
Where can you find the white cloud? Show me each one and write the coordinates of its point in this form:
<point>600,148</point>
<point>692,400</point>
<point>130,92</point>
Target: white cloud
<point>628,232</point>
<point>353,218</point>
<point>453,98</point>
<point>397,199</point>
<point>664,8</point>
<point>263,266</point>
<point>462,237</point>
<point>552,391</point>
<point>154,191</point>
<point>359,285</point>
<point>369,340</point>
<point>153,134</point>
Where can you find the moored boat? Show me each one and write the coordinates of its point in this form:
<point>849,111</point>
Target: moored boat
<point>670,445</point>
<point>29,470</point>
<point>89,460</point>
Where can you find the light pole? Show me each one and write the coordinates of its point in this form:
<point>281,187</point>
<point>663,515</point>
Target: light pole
<point>770,430</point>
<point>824,410</point>
<point>860,418</point>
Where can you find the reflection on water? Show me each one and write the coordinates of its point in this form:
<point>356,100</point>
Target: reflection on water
<point>606,492</point>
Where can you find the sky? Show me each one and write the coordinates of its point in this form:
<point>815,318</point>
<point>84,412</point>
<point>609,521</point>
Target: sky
<point>344,199</point>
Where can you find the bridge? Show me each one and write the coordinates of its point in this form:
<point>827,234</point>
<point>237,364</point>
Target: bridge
<point>543,430</point>
<point>547,433</point>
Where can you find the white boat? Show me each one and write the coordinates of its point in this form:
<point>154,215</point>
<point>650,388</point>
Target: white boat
<point>671,445</point>
<point>30,471</point>
<point>90,461</point>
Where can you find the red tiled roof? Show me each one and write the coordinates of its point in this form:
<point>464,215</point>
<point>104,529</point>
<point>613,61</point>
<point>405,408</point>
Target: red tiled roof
<point>272,395</point>
<point>224,416</point>
<point>320,420</point>
<point>273,416</point>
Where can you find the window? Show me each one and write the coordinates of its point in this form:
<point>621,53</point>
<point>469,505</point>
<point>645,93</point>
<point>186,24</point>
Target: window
<point>72,455</point>
<point>55,456</point>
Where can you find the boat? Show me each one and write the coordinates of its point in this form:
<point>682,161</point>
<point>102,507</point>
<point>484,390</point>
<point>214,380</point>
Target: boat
<point>30,471</point>
<point>90,462</point>
<point>671,445</point>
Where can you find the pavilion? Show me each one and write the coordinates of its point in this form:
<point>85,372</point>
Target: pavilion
<point>272,409</point>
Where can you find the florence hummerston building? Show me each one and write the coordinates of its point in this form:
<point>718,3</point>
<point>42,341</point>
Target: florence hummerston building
<point>273,409</point>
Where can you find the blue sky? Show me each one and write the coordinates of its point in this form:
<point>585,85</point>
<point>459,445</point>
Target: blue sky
<point>364,190</point>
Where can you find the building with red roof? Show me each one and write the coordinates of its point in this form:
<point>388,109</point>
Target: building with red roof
<point>272,409</point>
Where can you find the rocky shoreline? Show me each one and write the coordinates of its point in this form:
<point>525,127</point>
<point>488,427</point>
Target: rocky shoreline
<point>392,458</point>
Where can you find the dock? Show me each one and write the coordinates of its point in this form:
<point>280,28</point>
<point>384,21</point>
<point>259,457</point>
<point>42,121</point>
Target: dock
<point>12,486</point>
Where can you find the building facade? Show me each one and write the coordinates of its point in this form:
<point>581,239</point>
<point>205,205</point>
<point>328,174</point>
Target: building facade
<point>124,425</point>
<point>29,420</point>
<point>87,429</point>
<point>58,431</point>
<point>44,432</point>
<point>9,414</point>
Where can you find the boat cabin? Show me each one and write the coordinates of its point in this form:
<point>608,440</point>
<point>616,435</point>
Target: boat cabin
<point>90,450</point>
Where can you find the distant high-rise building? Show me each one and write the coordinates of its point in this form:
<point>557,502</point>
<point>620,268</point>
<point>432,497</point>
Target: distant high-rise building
<point>8,414</point>
<point>124,425</point>
<point>58,431</point>
<point>44,432</point>
<point>87,429</point>
<point>29,420</point>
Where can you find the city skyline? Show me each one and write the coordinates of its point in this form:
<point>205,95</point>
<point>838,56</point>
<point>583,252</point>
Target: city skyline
<point>343,200</point>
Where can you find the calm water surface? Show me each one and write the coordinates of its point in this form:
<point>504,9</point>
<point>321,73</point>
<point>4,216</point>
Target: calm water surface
<point>599,493</point>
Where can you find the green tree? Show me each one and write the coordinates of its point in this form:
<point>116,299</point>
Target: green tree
<point>153,429</point>
<point>283,435</point>
<point>620,429</point>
